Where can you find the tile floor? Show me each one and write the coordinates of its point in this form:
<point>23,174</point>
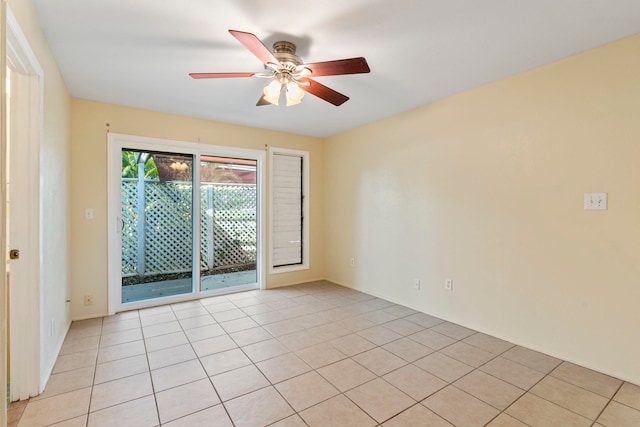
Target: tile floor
<point>318,355</point>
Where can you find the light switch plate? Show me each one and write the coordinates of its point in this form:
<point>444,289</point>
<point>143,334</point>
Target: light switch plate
<point>595,201</point>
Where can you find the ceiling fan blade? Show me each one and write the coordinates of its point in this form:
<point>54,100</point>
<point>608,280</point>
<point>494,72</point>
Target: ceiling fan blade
<point>219,75</point>
<point>339,67</point>
<point>262,101</point>
<point>253,43</point>
<point>324,92</point>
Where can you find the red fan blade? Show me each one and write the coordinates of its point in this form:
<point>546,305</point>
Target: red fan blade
<point>324,92</point>
<point>262,101</point>
<point>219,75</point>
<point>251,42</point>
<point>339,67</point>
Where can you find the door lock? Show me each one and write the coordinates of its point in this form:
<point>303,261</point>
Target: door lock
<point>14,254</point>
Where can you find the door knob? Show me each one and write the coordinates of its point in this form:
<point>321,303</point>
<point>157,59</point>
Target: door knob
<point>14,254</point>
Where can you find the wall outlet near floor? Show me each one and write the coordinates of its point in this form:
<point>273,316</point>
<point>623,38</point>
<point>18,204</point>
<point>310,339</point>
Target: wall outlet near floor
<point>448,284</point>
<point>353,262</point>
<point>596,201</point>
<point>88,300</point>
<point>416,284</point>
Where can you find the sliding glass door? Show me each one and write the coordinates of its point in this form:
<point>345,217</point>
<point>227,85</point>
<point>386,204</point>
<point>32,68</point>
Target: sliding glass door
<point>176,240</point>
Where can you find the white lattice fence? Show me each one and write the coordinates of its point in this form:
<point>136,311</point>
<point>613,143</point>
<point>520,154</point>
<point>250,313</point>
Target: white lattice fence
<point>163,239</point>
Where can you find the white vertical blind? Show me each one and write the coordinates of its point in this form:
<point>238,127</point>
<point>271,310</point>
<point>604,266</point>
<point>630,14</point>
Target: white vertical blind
<point>287,210</point>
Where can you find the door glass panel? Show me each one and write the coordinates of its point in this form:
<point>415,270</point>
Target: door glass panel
<point>228,226</point>
<point>157,225</point>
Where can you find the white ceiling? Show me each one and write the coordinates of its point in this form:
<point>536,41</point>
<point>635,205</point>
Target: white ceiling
<point>138,52</point>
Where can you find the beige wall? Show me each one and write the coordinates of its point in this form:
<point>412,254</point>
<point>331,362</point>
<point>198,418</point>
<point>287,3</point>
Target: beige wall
<point>486,188</point>
<point>89,186</point>
<point>54,189</point>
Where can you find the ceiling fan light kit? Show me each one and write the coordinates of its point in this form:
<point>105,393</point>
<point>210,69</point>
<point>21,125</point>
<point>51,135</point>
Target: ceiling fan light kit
<point>288,72</point>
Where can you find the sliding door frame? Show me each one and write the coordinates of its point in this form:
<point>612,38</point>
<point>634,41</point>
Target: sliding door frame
<point>115,144</point>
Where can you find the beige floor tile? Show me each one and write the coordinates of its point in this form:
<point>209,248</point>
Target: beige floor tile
<point>415,382</point>
<point>355,324</point>
<point>84,332</point>
<point>537,412</point>
<point>408,349</point>
<point>121,368</point>
<point>134,413</point>
<point>379,335</point>
<point>161,329</point>
<point>417,416</point>
<point>56,408</point>
<point>227,315</point>
<point>123,325</point>
<point>144,312</point>
<point>239,324</point>
<point>67,381</point>
<point>283,367</point>
<point>185,305</point>
<point>250,336</point>
<point>194,311</point>
<point>571,397</point>
<point>232,384</point>
<point>299,340</point>
<point>379,361</point>
<point>489,389</point>
<point>618,415</point>
<point>75,345</point>
<point>175,375</point>
<point>432,339</point>
<point>629,395</point>
<point>213,345</point>
<point>259,408</point>
<point>267,318</point>
<point>14,412</point>
<point>512,372</point>
<point>380,399</point>
<point>120,337</point>
<point>399,310</point>
<point>346,374</point>
<point>216,416</point>
<point>337,411</point>
<point>306,390</point>
<point>532,359</point>
<point>320,355</point>
<point>292,421</point>
<point>283,327</point>
<point>504,420</point>
<point>224,361</point>
<point>73,422</point>
<point>170,356</point>
<point>77,360</point>
<point>424,320</point>
<point>352,344</point>
<point>264,350</point>
<point>120,351</point>
<point>378,317</point>
<point>443,367</point>
<point>204,332</point>
<point>185,399</point>
<point>488,343</point>
<point>165,341</point>
<point>403,327</point>
<point>596,382</point>
<point>157,319</point>
<point>453,330</point>
<point>459,408</point>
<point>196,322</point>
<point>468,354</point>
<point>119,391</point>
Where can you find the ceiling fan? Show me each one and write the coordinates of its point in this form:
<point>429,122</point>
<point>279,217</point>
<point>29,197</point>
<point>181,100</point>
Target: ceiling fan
<point>288,71</point>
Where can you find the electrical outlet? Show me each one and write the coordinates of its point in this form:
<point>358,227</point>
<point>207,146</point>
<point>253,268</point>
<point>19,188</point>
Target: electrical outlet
<point>416,284</point>
<point>88,300</point>
<point>353,262</point>
<point>595,201</point>
<point>448,284</point>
